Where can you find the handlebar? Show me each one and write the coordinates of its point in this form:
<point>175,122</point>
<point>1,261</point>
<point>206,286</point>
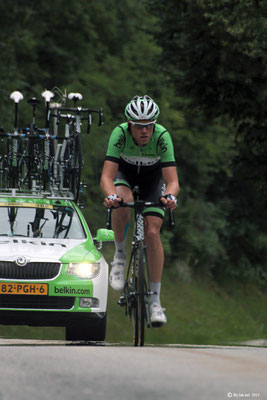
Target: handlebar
<point>139,205</point>
<point>78,111</point>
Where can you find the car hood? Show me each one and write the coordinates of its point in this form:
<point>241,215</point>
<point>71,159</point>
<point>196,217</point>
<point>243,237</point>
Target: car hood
<point>43,250</point>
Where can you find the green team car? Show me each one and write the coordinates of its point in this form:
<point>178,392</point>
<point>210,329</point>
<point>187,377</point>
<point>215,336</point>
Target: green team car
<point>51,270</point>
<point>51,273</point>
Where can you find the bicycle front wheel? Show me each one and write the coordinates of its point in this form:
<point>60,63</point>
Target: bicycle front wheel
<point>139,306</point>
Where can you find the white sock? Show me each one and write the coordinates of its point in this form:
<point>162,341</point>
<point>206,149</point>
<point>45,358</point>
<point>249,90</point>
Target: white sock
<point>155,288</point>
<point>120,251</point>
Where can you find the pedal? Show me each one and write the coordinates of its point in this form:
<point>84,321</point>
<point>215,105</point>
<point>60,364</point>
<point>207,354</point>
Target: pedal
<point>122,301</point>
<point>156,324</point>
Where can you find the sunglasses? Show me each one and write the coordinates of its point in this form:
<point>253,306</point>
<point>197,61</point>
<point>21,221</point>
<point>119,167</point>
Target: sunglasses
<point>142,126</point>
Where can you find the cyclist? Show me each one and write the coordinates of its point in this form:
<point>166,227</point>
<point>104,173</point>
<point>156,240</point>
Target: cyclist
<point>140,152</point>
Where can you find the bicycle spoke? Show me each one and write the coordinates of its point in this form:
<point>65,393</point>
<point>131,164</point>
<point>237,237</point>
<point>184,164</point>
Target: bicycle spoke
<point>135,315</point>
<point>141,297</point>
<point>138,303</point>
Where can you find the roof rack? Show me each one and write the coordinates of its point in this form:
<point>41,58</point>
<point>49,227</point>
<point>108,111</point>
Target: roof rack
<point>45,162</point>
<point>14,192</point>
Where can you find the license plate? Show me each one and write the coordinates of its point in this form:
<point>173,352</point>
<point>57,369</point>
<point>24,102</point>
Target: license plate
<point>24,288</point>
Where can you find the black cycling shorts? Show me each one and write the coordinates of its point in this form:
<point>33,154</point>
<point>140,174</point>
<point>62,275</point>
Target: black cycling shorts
<point>151,188</point>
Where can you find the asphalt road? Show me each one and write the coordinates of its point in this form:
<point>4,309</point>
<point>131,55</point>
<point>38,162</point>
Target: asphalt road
<point>55,370</point>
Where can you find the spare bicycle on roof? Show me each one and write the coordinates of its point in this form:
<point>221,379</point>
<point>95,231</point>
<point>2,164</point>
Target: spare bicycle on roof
<point>40,161</point>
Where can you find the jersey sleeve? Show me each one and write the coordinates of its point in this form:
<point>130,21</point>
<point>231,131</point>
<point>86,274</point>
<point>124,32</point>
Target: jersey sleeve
<point>116,144</point>
<point>165,150</point>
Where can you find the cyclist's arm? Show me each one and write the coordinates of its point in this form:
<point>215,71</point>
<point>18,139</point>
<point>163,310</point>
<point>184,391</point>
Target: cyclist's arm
<point>170,177</point>
<point>107,183</point>
<point>110,169</point>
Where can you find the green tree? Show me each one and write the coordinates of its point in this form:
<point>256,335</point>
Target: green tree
<point>214,52</point>
<point>100,49</point>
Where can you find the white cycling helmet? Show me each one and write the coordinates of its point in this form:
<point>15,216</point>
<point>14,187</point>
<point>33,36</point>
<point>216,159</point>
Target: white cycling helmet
<point>141,108</point>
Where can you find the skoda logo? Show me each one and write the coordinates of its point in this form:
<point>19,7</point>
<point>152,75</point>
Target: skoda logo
<point>21,261</point>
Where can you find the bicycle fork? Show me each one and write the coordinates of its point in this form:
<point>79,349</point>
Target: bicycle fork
<point>140,236</point>
<point>131,293</point>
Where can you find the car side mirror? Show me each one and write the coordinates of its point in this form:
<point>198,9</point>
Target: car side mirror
<point>103,236</point>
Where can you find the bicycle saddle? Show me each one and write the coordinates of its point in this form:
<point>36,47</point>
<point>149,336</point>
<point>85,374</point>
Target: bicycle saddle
<point>47,95</point>
<point>16,96</point>
<point>34,101</point>
<point>75,96</point>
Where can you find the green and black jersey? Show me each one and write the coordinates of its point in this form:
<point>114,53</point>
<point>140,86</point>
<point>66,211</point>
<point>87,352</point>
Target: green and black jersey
<point>157,153</point>
<point>141,165</point>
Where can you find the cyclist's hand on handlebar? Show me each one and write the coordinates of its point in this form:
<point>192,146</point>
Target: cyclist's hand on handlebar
<point>112,201</point>
<point>169,201</point>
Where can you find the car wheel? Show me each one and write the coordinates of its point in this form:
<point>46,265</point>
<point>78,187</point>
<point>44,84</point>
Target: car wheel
<point>95,330</point>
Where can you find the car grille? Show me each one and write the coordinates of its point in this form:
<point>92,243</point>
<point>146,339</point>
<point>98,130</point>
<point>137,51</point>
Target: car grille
<point>36,302</point>
<point>32,270</point>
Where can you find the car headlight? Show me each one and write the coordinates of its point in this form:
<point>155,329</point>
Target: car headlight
<point>84,270</point>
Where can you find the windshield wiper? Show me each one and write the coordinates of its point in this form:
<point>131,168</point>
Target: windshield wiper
<point>60,227</point>
<point>12,214</point>
<point>36,224</point>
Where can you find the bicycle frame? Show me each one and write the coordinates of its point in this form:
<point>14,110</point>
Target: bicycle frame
<point>138,237</point>
<point>14,167</point>
<point>135,296</point>
<point>48,158</point>
<point>136,292</point>
<point>137,285</point>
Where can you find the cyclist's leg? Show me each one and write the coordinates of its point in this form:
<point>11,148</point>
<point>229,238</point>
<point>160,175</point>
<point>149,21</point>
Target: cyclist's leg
<point>155,256</point>
<point>151,190</point>
<point>155,253</point>
<point>120,223</point>
<point>121,216</point>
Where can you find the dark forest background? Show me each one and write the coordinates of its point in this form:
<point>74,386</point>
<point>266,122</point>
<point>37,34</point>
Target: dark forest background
<point>204,63</point>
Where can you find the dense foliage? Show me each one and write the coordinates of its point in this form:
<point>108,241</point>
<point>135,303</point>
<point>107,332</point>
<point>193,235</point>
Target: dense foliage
<point>215,55</point>
<point>204,63</point>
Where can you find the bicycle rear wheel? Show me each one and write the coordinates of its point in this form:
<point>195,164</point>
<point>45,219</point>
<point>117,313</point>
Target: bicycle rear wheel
<point>75,177</point>
<point>48,158</point>
<point>13,175</point>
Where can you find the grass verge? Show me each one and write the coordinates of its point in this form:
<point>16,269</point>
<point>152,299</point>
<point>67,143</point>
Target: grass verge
<point>198,312</point>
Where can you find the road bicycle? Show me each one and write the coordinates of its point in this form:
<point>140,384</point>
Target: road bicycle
<point>14,147</point>
<point>136,292</point>
<point>33,148</point>
<point>38,160</point>
<point>48,154</point>
<point>71,151</point>
<point>2,161</point>
<point>25,159</point>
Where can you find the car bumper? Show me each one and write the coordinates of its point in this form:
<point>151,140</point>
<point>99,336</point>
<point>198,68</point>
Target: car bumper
<point>48,318</point>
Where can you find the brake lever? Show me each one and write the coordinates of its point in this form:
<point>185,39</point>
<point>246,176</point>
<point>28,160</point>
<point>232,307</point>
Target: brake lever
<point>109,215</point>
<point>171,219</point>
<point>89,123</point>
<point>101,117</point>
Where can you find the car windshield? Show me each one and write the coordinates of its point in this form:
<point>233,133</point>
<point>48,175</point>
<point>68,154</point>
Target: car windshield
<point>40,221</point>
